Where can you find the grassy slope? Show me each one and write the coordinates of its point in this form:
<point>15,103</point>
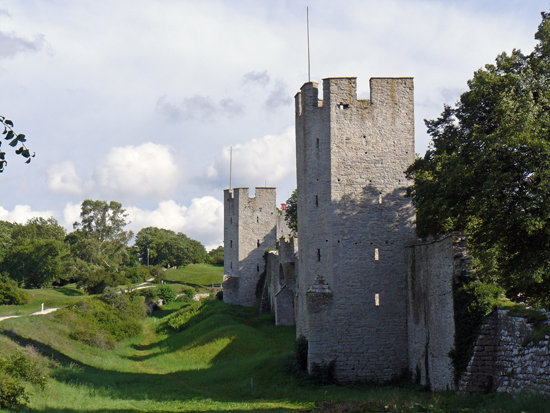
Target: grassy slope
<point>207,367</point>
<point>200,276</point>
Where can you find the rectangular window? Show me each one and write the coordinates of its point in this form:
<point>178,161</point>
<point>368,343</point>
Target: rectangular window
<point>377,300</point>
<point>318,255</point>
<point>376,255</point>
<point>316,200</point>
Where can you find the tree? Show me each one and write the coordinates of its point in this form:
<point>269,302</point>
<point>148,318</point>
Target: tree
<point>99,238</point>
<point>487,172</point>
<point>14,141</point>
<point>291,213</point>
<point>216,255</point>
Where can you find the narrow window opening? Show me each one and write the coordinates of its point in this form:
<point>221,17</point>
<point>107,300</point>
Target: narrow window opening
<point>376,255</point>
<point>258,219</point>
<point>343,106</point>
<point>231,244</point>
<point>316,200</point>
<point>377,300</point>
<point>317,143</point>
<point>380,198</point>
<point>318,255</point>
<point>258,243</point>
<point>231,265</point>
<point>257,268</point>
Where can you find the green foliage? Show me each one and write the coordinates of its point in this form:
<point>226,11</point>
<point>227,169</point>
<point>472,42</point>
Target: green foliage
<point>95,281</point>
<point>14,140</point>
<point>103,324</point>
<point>473,301</point>
<point>138,274</point>
<point>166,293</point>
<point>99,238</point>
<point>14,371</point>
<point>216,256</point>
<point>487,172</point>
<point>187,294</point>
<point>11,294</point>
<point>291,213</point>
<point>162,247</point>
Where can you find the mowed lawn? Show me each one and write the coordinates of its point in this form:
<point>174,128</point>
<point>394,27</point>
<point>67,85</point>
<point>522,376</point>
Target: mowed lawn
<point>200,276</point>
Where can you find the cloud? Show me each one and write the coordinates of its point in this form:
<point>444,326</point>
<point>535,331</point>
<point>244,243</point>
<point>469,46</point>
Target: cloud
<point>10,44</point>
<point>22,213</point>
<point>202,220</point>
<point>259,78</point>
<point>270,159</point>
<point>145,170</point>
<point>198,107</point>
<point>62,178</point>
<point>278,97</point>
<point>71,214</point>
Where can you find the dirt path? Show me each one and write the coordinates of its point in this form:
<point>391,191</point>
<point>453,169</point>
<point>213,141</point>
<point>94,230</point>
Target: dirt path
<point>46,311</point>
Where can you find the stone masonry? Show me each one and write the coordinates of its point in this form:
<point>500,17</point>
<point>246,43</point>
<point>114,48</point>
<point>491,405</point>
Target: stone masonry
<point>432,267</point>
<point>505,361</point>
<point>251,226</point>
<point>354,221</point>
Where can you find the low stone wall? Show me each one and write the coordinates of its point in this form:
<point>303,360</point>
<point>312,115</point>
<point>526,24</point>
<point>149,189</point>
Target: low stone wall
<point>504,362</point>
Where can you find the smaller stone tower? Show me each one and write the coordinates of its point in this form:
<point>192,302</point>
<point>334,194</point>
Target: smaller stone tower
<point>250,228</point>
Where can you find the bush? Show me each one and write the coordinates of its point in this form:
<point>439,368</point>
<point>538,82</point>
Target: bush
<point>217,259</point>
<point>11,294</point>
<point>95,282</point>
<point>138,274</point>
<point>166,293</point>
<point>99,324</point>
<point>13,372</point>
<point>187,294</point>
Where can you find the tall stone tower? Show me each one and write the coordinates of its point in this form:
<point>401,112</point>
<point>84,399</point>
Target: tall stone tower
<point>250,228</point>
<point>353,223</point>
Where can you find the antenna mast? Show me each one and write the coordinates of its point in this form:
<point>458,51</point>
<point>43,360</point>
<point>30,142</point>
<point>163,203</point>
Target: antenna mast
<point>308,57</point>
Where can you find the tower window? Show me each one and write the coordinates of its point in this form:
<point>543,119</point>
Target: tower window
<point>317,143</point>
<point>257,268</point>
<point>377,300</point>
<point>231,244</point>
<point>316,200</point>
<point>258,243</point>
<point>376,255</point>
<point>318,255</point>
<point>231,265</point>
<point>258,219</point>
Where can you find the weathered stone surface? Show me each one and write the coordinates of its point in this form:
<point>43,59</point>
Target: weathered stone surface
<point>354,221</point>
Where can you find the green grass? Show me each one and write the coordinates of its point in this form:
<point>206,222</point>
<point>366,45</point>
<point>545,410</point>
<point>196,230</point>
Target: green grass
<point>209,367</point>
<point>200,276</point>
<point>51,297</point>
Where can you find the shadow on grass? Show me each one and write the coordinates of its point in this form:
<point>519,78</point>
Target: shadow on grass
<point>69,292</point>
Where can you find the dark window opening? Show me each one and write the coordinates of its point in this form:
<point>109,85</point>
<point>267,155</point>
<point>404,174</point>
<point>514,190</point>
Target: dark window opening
<point>317,143</point>
<point>318,255</point>
<point>258,243</point>
<point>231,244</point>
<point>257,268</point>
<point>316,200</point>
<point>258,219</point>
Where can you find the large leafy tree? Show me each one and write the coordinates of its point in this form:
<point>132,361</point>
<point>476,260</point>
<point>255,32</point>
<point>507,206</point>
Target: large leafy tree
<point>487,172</point>
<point>166,248</point>
<point>100,238</point>
<point>36,253</point>
<point>291,213</point>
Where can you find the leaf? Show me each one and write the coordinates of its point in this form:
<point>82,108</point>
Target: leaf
<point>10,135</point>
<point>21,138</point>
<point>8,122</point>
<point>2,155</point>
<point>13,143</point>
<point>28,160</point>
<point>5,131</point>
<point>19,151</point>
<point>25,153</point>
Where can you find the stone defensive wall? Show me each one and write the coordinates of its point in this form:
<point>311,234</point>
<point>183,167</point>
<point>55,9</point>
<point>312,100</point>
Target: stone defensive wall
<point>506,359</point>
<point>432,268</point>
<point>354,221</point>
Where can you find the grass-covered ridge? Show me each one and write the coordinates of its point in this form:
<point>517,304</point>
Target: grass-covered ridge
<point>208,363</point>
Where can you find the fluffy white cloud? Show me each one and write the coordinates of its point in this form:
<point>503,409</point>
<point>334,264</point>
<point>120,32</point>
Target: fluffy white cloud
<point>268,160</point>
<point>202,220</point>
<point>62,178</point>
<point>22,213</point>
<point>144,170</point>
<point>71,214</point>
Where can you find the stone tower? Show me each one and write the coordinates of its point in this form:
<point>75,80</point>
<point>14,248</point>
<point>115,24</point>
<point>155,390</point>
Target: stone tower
<point>250,228</point>
<point>354,221</point>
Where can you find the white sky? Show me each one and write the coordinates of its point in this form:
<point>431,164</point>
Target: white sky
<point>138,101</point>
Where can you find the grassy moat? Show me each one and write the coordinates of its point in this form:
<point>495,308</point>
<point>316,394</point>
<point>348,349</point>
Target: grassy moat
<point>226,359</point>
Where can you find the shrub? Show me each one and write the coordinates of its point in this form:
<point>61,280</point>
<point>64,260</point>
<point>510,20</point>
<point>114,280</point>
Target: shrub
<point>95,282</point>
<point>11,294</point>
<point>138,274</point>
<point>187,294</point>
<point>13,372</point>
<point>166,292</point>
<point>99,324</point>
